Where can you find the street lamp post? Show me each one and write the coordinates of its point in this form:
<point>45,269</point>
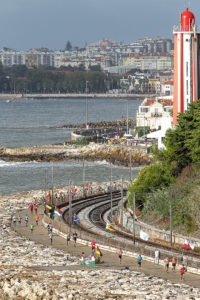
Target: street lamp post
<point>52,182</point>
<point>86,105</point>
<point>111,203</point>
<point>134,218</point>
<point>127,129</point>
<point>130,165</point>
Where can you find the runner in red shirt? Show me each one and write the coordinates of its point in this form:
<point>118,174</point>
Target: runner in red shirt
<point>36,207</point>
<point>31,207</point>
<point>93,245</point>
<point>182,271</point>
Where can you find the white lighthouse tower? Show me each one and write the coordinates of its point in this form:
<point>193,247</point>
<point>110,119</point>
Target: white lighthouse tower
<point>186,63</point>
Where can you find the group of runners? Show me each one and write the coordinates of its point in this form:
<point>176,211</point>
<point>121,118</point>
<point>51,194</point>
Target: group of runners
<point>173,262</point>
<point>95,250</point>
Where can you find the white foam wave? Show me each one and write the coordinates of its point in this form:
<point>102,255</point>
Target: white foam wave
<point>11,164</point>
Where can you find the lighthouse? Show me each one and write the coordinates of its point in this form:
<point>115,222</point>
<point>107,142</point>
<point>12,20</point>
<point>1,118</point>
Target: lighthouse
<point>186,63</point>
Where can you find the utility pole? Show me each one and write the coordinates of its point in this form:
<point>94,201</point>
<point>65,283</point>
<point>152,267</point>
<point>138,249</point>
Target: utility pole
<point>134,218</point>
<point>70,205</point>
<point>83,171</point>
<point>130,165</point>
<point>170,213</point>
<point>111,204</point>
<point>45,180</point>
<point>83,176</point>
<point>86,106</point>
<point>127,117</point>
<point>122,202</point>
<point>52,182</point>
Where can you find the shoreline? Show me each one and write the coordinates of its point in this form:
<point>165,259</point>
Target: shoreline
<point>76,95</point>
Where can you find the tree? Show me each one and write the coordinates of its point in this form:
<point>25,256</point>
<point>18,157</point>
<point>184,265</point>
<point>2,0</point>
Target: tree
<point>183,142</point>
<point>68,46</point>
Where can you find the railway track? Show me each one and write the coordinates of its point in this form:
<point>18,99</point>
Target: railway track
<point>100,205</point>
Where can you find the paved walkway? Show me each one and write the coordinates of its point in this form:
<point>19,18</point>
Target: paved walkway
<point>40,235</point>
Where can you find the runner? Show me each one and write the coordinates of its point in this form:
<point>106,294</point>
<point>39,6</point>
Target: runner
<point>166,260</point>
<point>50,228</point>
<point>93,245</point>
<point>68,239</point>
<point>51,237</point>
<point>36,208</point>
<point>139,261</point>
<point>14,220</point>
<point>182,271</point>
<point>19,219</point>
<point>26,220</point>
<point>31,207</point>
<point>93,259</point>
<point>74,238</point>
<point>36,219</point>
<point>173,263</point>
<point>83,259</point>
<point>120,255</point>
<point>31,227</point>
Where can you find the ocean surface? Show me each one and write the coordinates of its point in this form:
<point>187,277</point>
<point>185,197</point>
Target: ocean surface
<point>25,122</point>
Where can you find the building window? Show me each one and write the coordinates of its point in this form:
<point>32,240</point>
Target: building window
<point>187,89</point>
<point>186,68</point>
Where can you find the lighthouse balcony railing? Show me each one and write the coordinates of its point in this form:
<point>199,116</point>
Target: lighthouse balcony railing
<point>186,28</point>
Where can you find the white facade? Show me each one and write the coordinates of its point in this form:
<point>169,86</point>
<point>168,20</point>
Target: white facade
<point>152,111</point>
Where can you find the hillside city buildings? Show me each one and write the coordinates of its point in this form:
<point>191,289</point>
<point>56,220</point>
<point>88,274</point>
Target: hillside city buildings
<point>144,54</point>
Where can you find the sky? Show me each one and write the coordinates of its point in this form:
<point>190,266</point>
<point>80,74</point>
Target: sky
<point>26,24</point>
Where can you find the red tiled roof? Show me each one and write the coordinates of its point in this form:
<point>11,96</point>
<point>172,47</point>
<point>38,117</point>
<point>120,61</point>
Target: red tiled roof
<point>170,82</point>
<point>164,102</point>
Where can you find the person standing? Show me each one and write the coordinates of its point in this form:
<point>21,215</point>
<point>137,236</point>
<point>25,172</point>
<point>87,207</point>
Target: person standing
<point>19,219</point>
<point>68,239</point>
<point>157,256</point>
<point>120,255</point>
<point>14,220</point>
<point>36,219</point>
<point>93,245</point>
<point>51,238</point>
<point>93,259</point>
<point>182,271</point>
<point>26,220</point>
<point>74,238</point>
<point>31,227</point>
<point>173,263</point>
<point>139,261</point>
<point>31,207</point>
<point>35,208</point>
<point>83,259</point>
<point>166,263</point>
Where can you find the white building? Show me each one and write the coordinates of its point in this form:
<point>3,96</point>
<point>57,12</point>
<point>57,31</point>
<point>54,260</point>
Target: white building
<point>152,111</point>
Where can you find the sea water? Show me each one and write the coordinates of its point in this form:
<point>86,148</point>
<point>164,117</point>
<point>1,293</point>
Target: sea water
<point>25,122</point>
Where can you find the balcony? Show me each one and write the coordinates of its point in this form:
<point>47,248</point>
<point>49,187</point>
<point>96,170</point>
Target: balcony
<point>156,115</point>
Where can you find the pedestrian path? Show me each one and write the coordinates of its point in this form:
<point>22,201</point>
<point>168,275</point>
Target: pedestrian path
<point>110,259</point>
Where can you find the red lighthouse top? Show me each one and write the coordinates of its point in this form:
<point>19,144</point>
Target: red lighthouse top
<point>187,19</point>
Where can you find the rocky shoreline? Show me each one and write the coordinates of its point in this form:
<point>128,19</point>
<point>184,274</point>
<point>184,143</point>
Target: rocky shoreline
<point>116,154</point>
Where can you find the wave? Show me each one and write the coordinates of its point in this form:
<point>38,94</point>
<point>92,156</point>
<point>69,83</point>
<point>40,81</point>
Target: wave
<point>12,163</point>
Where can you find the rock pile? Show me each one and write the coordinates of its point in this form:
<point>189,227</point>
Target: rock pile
<point>119,155</point>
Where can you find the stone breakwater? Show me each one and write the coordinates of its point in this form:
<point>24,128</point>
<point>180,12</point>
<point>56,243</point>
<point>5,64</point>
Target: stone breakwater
<point>103,124</point>
<point>119,155</point>
<point>21,279</point>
